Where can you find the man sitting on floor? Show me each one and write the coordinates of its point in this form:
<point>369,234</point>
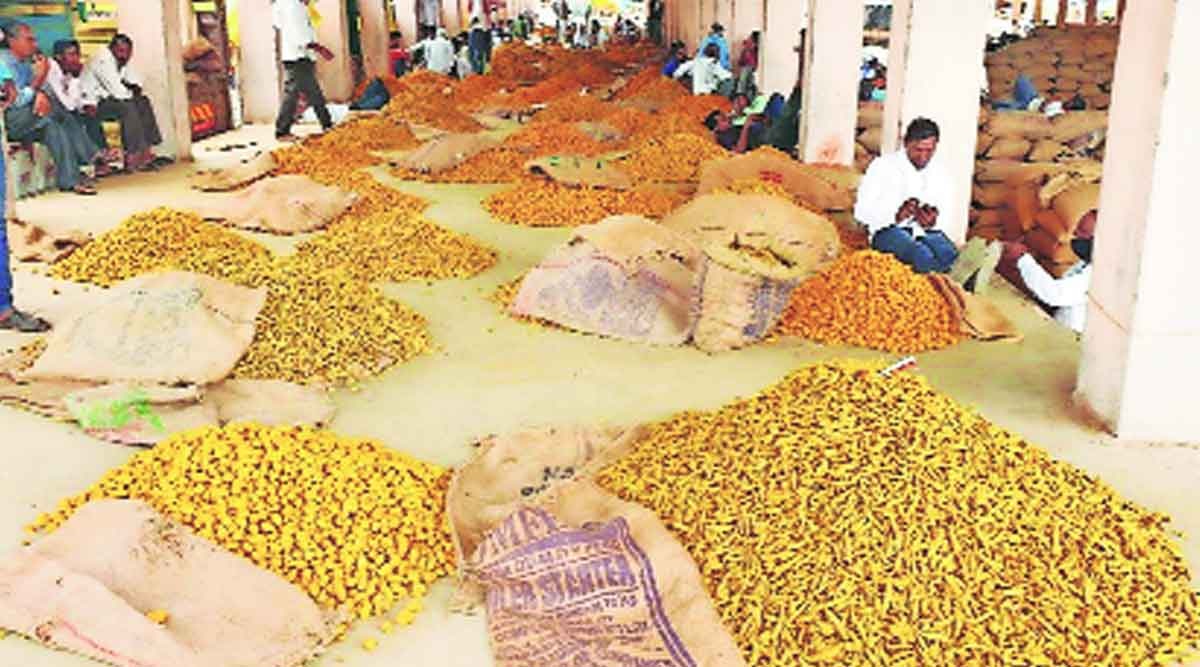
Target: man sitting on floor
<point>901,199</point>
<point>109,81</point>
<point>31,117</point>
<point>1068,295</point>
<point>708,76</point>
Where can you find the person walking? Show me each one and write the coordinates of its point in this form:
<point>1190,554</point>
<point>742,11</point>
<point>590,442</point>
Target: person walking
<point>11,319</point>
<point>297,44</point>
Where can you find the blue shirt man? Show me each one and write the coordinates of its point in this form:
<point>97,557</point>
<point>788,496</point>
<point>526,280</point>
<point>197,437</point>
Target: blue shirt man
<point>716,36</point>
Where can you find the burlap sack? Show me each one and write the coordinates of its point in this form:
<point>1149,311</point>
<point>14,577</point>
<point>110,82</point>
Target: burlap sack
<point>1009,149</point>
<point>631,593</point>
<point>990,195</point>
<point>197,49</point>
<point>86,589</point>
<point>1072,175</point>
<point>872,139</point>
<point>1071,205</point>
<point>742,296</point>
<point>1020,124</point>
<point>996,171</point>
<point>28,242</point>
<point>626,277</point>
<point>271,403</point>
<point>976,315</point>
<point>1046,247</point>
<point>240,175</point>
<point>1048,150</point>
<point>45,397</point>
<point>289,204</point>
<point>168,328</point>
<point>1023,200</point>
<point>446,152</point>
<point>1043,67</point>
<point>760,220</point>
<point>1074,124</point>
<point>1053,225</point>
<point>870,114</point>
<point>827,189</point>
<point>983,142</point>
<point>575,170</point>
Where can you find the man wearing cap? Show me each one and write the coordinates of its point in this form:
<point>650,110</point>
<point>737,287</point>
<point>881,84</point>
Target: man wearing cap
<point>716,36</point>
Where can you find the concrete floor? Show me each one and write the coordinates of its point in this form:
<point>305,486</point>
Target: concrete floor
<point>491,374</point>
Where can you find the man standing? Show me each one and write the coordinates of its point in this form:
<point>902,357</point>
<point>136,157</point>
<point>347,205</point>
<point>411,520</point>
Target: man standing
<point>901,199</point>
<point>111,83</point>
<point>297,43</point>
<point>31,115</point>
<point>11,319</point>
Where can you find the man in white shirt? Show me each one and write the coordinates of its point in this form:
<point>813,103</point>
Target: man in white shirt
<point>1068,295</point>
<point>439,52</point>
<point>901,199</point>
<point>708,76</point>
<point>110,83</point>
<point>66,92</point>
<point>297,44</point>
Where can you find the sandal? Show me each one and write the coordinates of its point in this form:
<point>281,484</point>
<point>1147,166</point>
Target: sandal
<point>85,190</point>
<point>23,323</point>
<point>162,161</point>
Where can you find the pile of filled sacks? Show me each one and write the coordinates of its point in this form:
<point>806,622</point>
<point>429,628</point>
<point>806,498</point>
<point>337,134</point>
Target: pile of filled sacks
<point>1061,62</point>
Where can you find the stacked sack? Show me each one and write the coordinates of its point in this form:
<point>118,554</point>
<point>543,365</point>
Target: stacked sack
<point>869,140</point>
<point>1062,62</point>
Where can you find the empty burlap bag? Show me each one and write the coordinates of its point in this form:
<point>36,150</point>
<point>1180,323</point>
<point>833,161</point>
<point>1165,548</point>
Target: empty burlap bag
<point>446,152</point>
<point>129,414</point>
<point>1071,205</point>
<point>575,170</point>
<point>613,585</point>
<point>976,316</point>
<point>823,188</point>
<point>744,291</point>
<point>169,328</point>
<point>289,204</point>
<point>760,220</point>
<point>1008,148</point>
<point>42,397</point>
<point>270,403</point>
<point>990,195</point>
<point>1020,124</point>
<point>87,587</point>
<point>625,277</point>
<point>28,242</point>
<point>239,175</point>
<point>1072,175</point>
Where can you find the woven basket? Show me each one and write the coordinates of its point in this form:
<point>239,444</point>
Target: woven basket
<point>742,298</point>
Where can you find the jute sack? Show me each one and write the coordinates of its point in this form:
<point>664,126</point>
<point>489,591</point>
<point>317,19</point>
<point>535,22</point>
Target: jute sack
<point>30,243</point>
<point>575,170</point>
<point>1009,149</point>
<point>625,277</point>
<point>527,496</point>
<point>1074,124</point>
<point>1054,226</point>
<point>1071,205</point>
<point>872,139</point>
<point>1047,247</point>
<point>86,588</point>
<point>1023,200</point>
<point>760,220</point>
<point>743,293</point>
<point>990,195</point>
<point>870,114</point>
<point>826,189</point>
<point>446,152</point>
<point>1020,124</point>
<point>983,143</point>
<point>1048,150</point>
<point>168,328</point>
<point>289,204</point>
<point>1074,173</point>
<point>997,171</point>
<point>1043,68</point>
<point>240,175</point>
<point>585,578</point>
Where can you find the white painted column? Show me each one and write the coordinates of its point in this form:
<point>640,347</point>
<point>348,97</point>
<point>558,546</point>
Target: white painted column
<point>827,124</point>
<point>154,27</point>
<point>934,71</point>
<point>374,37</point>
<point>780,62</point>
<point>258,71</point>
<point>336,76</point>
<point>1140,361</point>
